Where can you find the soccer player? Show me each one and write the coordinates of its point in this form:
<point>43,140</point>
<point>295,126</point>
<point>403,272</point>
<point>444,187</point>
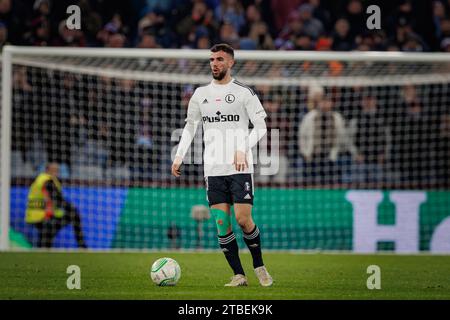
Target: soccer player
<point>225,107</point>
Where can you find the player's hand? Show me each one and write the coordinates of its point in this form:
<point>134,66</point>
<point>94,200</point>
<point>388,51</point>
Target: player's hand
<point>240,161</point>
<point>176,167</point>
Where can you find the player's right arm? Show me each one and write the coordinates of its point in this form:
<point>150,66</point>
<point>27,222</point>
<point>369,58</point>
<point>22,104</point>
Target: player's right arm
<point>193,118</point>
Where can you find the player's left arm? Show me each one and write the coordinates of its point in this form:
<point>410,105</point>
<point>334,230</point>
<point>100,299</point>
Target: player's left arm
<point>257,116</point>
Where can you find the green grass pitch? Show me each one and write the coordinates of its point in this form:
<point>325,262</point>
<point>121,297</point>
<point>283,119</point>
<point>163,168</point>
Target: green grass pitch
<point>42,275</point>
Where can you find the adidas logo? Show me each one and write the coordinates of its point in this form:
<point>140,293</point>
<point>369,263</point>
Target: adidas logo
<point>205,101</point>
<point>225,250</point>
<point>248,197</point>
<point>254,245</point>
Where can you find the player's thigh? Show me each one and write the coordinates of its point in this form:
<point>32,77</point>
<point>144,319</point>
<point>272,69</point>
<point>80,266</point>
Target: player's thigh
<point>217,190</point>
<point>222,206</point>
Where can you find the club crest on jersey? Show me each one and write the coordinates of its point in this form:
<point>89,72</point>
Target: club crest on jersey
<point>229,98</point>
<point>247,186</point>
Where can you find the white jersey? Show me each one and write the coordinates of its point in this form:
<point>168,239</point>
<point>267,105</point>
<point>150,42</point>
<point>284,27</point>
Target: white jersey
<point>225,111</point>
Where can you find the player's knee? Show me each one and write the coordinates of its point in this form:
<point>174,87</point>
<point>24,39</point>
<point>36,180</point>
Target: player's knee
<point>243,221</point>
<point>223,221</point>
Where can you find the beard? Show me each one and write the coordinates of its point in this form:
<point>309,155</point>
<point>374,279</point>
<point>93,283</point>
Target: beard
<point>220,75</point>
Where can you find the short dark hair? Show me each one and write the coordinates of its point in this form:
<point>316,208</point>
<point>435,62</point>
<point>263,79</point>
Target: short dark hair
<point>223,47</point>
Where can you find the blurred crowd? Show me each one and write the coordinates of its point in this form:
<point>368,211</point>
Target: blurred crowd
<point>406,25</point>
<point>99,127</point>
<point>124,131</point>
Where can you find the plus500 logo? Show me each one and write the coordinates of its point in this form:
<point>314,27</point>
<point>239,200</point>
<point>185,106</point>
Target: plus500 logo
<point>221,118</point>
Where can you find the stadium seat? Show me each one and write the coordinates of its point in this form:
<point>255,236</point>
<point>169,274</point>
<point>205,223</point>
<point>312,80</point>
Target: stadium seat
<point>20,168</point>
<point>16,157</point>
<point>92,153</point>
<point>37,155</point>
<point>118,173</point>
<point>86,172</point>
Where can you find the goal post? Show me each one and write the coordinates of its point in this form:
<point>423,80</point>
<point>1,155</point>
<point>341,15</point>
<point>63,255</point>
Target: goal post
<point>5,147</point>
<point>112,119</point>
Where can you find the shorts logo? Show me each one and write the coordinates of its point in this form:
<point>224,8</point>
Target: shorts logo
<point>229,98</point>
<point>247,186</point>
<point>248,197</point>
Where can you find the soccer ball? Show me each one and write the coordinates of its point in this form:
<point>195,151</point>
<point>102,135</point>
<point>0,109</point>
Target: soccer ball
<point>165,272</point>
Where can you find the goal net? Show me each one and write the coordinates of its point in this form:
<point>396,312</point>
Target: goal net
<point>356,156</point>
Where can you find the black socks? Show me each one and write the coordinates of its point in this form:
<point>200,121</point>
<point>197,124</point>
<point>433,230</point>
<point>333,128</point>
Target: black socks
<point>230,248</point>
<point>253,242</point>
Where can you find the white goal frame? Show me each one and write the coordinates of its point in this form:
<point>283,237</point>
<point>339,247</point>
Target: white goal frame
<point>9,52</point>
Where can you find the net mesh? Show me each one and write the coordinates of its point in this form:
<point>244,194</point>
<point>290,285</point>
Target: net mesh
<point>334,126</point>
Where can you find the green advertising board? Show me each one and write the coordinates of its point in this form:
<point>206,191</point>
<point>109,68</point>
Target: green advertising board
<point>295,219</point>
